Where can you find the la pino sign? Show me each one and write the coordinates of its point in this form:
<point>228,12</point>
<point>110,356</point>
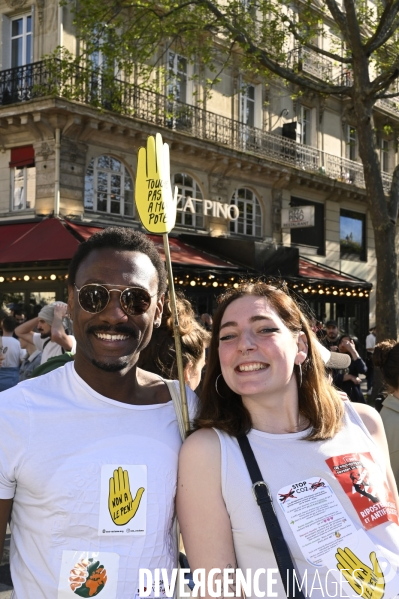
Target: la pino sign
<point>297,217</point>
<point>210,208</point>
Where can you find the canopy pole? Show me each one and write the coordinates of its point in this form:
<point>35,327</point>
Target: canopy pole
<point>175,316</point>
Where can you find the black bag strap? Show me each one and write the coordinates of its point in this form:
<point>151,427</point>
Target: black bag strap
<point>264,500</point>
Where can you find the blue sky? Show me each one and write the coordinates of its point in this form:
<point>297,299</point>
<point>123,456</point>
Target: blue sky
<point>351,225</point>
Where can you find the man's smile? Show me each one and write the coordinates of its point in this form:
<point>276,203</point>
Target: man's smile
<point>109,337</point>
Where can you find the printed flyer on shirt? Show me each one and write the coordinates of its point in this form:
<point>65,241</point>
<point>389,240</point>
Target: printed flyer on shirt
<point>366,487</point>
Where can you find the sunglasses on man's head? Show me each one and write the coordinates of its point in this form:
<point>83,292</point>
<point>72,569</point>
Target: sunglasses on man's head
<point>94,298</point>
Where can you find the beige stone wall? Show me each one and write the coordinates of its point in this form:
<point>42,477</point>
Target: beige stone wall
<point>5,181</point>
<point>331,131</point>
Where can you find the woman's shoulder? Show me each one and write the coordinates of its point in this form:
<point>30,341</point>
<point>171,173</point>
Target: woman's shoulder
<point>370,417</point>
<point>202,444</point>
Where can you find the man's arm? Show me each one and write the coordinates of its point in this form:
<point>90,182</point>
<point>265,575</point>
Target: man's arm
<point>58,333</point>
<point>25,330</point>
<point>5,510</point>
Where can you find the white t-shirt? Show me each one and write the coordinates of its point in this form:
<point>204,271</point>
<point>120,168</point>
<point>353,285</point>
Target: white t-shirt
<point>370,342</point>
<point>62,446</point>
<point>49,348</point>
<point>318,504</point>
<point>14,355</point>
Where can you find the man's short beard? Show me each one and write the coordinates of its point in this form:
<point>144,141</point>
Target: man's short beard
<point>110,366</point>
<point>45,335</point>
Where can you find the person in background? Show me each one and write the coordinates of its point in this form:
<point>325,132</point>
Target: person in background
<point>370,345</point>
<point>331,339</point>
<point>386,358</point>
<point>206,320</point>
<point>349,381</point>
<point>31,361</point>
<point>20,316</point>
<point>52,337</point>
<point>159,356</point>
<point>3,314</point>
<point>13,356</point>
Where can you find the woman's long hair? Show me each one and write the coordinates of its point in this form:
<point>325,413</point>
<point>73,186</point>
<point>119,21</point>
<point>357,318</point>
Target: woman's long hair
<point>318,400</point>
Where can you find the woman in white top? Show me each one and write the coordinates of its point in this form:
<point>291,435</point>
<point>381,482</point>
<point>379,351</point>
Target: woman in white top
<point>386,358</point>
<point>325,461</point>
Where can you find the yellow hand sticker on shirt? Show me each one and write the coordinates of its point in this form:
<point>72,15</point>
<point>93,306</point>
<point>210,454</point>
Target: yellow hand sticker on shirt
<point>367,582</point>
<point>153,193</point>
<point>121,505</point>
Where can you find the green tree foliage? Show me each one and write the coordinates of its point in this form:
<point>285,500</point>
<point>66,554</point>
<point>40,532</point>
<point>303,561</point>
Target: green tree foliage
<point>266,38</point>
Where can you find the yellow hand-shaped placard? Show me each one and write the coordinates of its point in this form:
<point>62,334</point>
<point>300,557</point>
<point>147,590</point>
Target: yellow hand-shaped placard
<point>153,193</point>
<point>121,505</point>
<point>367,582</point>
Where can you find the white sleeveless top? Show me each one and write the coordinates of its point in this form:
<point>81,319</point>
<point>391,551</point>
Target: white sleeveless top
<point>287,461</point>
<point>92,479</point>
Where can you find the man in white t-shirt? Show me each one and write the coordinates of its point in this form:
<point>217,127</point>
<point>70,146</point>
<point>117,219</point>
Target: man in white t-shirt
<point>370,346</point>
<point>51,338</point>
<point>89,451</point>
<point>13,355</point>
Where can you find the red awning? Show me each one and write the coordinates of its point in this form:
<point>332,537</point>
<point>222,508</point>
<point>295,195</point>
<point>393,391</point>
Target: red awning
<point>23,156</point>
<point>180,252</point>
<point>314,270</point>
<point>52,239</point>
<point>36,242</point>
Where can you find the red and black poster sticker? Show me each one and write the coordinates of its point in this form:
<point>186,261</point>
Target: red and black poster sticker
<point>366,487</point>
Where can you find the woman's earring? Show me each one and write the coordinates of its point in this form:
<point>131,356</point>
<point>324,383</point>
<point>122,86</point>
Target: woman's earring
<point>216,386</point>
<point>300,374</point>
<point>156,325</point>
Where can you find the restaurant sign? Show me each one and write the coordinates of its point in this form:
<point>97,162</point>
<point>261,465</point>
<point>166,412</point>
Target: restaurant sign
<point>209,208</point>
<point>297,217</point>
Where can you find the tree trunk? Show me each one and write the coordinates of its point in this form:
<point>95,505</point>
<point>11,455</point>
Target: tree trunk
<point>387,280</point>
<point>383,217</point>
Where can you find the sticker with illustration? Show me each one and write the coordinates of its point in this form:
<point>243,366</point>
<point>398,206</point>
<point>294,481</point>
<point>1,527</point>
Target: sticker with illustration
<point>123,500</point>
<point>87,574</point>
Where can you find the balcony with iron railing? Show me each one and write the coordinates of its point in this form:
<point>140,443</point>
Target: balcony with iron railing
<point>315,64</point>
<point>51,78</point>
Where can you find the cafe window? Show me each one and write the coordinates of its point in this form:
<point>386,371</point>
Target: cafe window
<point>190,206</point>
<point>109,187</point>
<point>352,236</point>
<point>310,236</point>
<point>23,178</point>
<point>250,220</point>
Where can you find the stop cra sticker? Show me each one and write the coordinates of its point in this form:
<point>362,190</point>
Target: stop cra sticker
<point>155,202</point>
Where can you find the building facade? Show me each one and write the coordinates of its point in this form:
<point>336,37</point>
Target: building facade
<point>240,159</point>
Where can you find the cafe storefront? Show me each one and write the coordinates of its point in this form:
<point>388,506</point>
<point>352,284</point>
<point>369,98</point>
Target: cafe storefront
<point>34,258</point>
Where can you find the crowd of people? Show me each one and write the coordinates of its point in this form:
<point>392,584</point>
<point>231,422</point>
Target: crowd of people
<point>27,344</point>
<point>91,455</point>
